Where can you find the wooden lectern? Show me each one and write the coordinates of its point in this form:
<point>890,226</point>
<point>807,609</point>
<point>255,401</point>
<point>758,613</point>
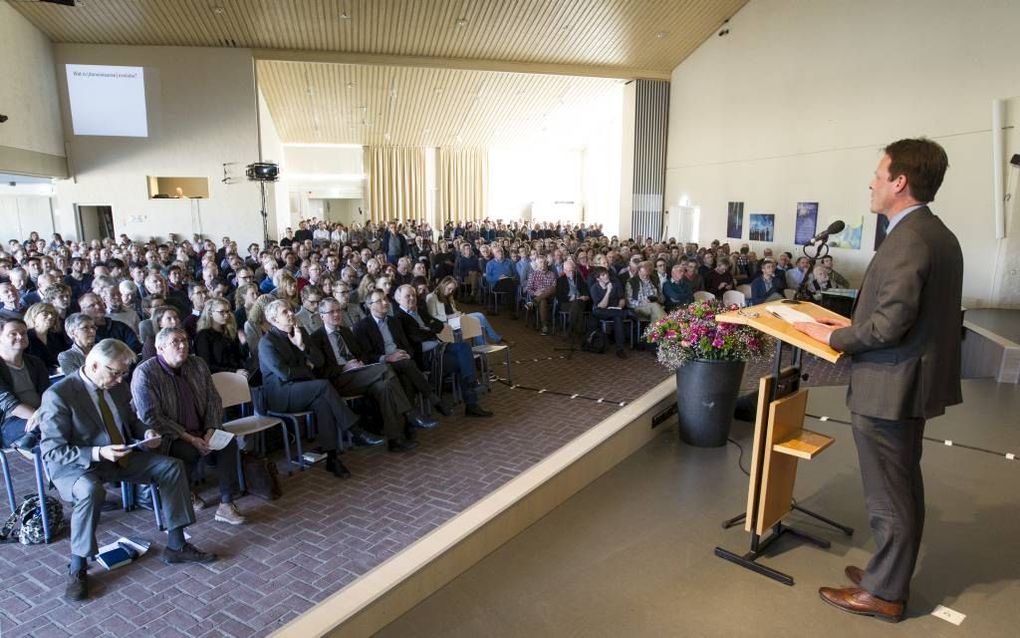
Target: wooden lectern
<point>780,439</point>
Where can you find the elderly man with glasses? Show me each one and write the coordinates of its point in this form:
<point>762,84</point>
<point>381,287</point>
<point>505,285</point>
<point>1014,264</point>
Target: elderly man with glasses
<point>88,428</point>
<point>174,395</point>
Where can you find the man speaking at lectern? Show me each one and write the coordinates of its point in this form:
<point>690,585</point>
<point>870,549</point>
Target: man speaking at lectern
<point>904,345</point>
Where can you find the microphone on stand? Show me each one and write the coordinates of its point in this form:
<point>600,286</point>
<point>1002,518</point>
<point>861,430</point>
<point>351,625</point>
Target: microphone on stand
<point>834,228</point>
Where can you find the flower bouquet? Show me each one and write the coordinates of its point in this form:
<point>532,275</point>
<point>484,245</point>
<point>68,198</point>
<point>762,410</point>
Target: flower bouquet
<point>691,333</point>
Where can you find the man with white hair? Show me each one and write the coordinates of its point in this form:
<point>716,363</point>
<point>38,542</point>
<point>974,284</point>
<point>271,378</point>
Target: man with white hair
<point>287,361</point>
<point>90,436</point>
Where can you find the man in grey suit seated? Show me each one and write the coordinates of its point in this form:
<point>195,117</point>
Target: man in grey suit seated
<point>174,395</point>
<point>87,423</point>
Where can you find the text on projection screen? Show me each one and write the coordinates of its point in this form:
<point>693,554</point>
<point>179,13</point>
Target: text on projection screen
<point>107,100</point>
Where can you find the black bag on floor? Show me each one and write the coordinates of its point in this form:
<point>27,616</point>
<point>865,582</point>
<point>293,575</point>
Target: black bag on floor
<point>261,476</point>
<point>29,516</point>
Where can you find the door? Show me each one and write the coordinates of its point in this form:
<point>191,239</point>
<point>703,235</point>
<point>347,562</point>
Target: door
<point>94,222</point>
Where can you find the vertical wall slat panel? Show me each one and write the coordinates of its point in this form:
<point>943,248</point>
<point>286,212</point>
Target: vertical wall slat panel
<point>651,110</point>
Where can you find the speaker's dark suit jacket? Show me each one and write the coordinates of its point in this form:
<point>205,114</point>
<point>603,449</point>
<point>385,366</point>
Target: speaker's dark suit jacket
<point>905,337</point>
<point>417,335</point>
<point>330,367</point>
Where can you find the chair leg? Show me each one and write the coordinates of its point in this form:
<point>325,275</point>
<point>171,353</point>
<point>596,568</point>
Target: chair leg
<point>240,473</point>
<point>286,445</point>
<point>508,379</point>
<point>127,496</point>
<point>8,481</point>
<point>297,438</point>
<point>40,487</point>
<point>157,506</point>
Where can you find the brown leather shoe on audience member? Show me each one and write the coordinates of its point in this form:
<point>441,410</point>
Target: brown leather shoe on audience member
<point>857,601</point>
<point>854,574</point>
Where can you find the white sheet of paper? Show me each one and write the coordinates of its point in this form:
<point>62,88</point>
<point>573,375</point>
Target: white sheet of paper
<point>220,439</point>
<point>454,322</point>
<point>949,615</point>
<point>788,314</point>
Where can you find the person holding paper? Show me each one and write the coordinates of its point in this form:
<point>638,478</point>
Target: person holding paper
<point>86,421</point>
<point>905,348</point>
<point>174,395</point>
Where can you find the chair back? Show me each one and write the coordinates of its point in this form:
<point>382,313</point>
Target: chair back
<point>734,297</point>
<point>232,387</point>
<point>702,295</point>
<point>789,293</point>
<point>745,289</point>
<point>446,334</point>
<point>470,327</point>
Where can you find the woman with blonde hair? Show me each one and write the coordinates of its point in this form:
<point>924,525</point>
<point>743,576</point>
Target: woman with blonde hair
<point>216,338</point>
<point>46,340</point>
<point>442,305</point>
<point>286,288</point>
<point>366,287</point>
<point>256,326</point>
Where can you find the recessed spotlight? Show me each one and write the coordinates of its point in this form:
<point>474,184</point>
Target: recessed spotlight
<point>661,34</point>
<point>565,28</point>
<point>350,85</point>
<point>218,10</point>
<point>345,16</point>
<point>461,22</point>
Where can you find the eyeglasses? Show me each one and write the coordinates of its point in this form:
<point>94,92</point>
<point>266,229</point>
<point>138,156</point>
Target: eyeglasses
<point>117,374</point>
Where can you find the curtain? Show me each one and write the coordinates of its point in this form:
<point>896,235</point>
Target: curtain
<point>396,183</point>
<point>463,176</point>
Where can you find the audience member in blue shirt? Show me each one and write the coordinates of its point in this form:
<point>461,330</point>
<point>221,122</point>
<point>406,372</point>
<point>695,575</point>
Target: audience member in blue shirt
<point>677,289</point>
<point>499,267</point>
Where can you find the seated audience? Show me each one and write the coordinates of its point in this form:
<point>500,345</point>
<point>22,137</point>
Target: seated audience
<point>216,341</point>
<point>643,297</point>
<point>10,302</point>
<point>795,276</point>
<point>422,333</point>
<point>286,360</point>
<point>23,380</point>
<point>573,296</point>
<point>162,317</point>
<point>838,280</point>
<point>541,290</point>
<point>82,331</point>
<point>345,367</point>
<point>146,329</point>
<point>720,279</point>
<point>244,298</point>
<point>198,294</point>
<point>45,338</point>
<point>610,304</point>
<point>766,286</point>
<point>174,395</point>
<point>678,291</point>
<point>381,338</point>
<point>441,303</point>
<point>308,314</point>
<point>815,284</point>
<point>86,420</point>
<point>107,328</point>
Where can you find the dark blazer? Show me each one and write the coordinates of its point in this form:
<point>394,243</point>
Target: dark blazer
<point>282,363</point>
<point>36,371</point>
<point>220,353</point>
<point>56,342</point>
<point>417,335</point>
<point>400,240</point>
<point>330,367</point>
<point>563,288</point>
<point>114,329</point>
<point>905,337</point>
<point>370,340</point>
<point>760,292</point>
<point>71,426</point>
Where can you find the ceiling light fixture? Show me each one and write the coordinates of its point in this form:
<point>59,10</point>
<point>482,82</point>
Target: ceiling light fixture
<point>661,34</point>
<point>218,10</point>
<point>344,15</point>
<point>462,22</point>
<point>350,85</point>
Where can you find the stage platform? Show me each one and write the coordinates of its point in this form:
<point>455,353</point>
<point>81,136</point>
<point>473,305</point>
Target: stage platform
<point>991,344</point>
<point>632,553</point>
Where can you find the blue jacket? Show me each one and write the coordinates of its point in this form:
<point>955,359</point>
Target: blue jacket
<point>496,270</point>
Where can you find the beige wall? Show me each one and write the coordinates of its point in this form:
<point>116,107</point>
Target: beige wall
<point>202,114</point>
<point>277,200</point>
<point>28,88</point>
<point>795,103</point>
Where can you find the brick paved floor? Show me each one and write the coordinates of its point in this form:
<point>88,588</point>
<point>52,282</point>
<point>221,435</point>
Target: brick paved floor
<point>326,532</point>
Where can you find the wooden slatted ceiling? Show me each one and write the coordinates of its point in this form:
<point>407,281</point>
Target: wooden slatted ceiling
<point>639,34</point>
<point>401,106</point>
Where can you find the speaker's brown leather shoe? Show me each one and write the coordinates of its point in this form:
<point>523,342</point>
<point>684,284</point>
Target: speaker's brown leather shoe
<point>854,574</point>
<point>857,601</point>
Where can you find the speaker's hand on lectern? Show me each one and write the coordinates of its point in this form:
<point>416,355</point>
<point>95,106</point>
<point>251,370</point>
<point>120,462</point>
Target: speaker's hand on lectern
<point>815,330</point>
<point>838,322</point>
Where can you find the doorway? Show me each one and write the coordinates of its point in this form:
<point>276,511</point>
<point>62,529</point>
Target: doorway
<point>94,222</point>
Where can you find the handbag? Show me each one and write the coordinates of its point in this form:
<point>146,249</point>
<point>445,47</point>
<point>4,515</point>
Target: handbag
<point>261,476</point>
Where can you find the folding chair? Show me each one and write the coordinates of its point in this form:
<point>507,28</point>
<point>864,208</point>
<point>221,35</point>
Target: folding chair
<point>233,390</point>
<point>470,328</point>
<point>702,295</point>
<point>41,479</point>
<point>734,297</point>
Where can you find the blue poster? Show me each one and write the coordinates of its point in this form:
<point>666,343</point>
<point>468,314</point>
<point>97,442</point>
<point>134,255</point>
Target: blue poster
<point>807,222</point>
<point>763,227</point>
<point>735,220</point>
